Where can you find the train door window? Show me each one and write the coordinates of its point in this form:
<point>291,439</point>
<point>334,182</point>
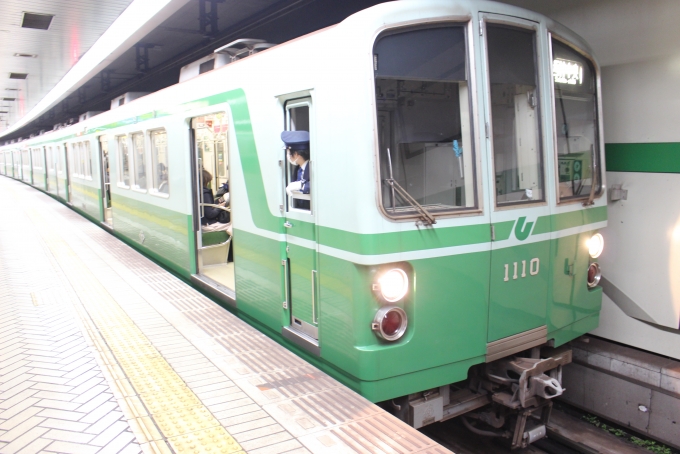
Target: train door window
<point>139,160</point>
<point>513,76</point>
<point>423,104</point>
<point>159,161</point>
<point>297,119</point>
<point>123,162</point>
<point>576,121</point>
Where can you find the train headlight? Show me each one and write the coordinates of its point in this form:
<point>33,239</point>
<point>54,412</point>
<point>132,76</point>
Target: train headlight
<point>594,275</point>
<point>393,285</point>
<point>595,245</point>
<point>390,323</point>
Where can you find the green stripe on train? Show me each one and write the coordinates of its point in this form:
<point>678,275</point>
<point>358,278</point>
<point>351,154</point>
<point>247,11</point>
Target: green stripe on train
<point>365,244</point>
<point>643,157</point>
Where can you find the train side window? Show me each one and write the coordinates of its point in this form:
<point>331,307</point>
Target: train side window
<point>159,161</point>
<point>576,121</point>
<point>139,160</point>
<point>87,150</point>
<point>81,159</point>
<point>423,104</point>
<point>59,163</point>
<point>123,162</point>
<point>50,160</point>
<point>517,154</point>
<point>70,151</point>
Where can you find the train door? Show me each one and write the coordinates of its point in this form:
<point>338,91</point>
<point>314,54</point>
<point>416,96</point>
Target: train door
<point>301,261</point>
<point>213,217</point>
<point>68,160</point>
<point>105,180</point>
<point>519,261</point>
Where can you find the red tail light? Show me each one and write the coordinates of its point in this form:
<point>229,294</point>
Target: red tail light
<point>390,323</point>
<point>594,275</point>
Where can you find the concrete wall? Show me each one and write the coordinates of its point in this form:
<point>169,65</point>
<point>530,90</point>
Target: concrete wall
<point>637,44</point>
<point>633,388</point>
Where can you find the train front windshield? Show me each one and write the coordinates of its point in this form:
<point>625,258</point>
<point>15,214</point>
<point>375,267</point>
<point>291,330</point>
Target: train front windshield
<point>423,111</point>
<point>576,119</point>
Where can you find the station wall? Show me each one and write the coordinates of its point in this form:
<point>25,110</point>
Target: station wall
<point>638,47</point>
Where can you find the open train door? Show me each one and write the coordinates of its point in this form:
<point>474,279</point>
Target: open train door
<point>520,261</point>
<point>301,259</point>
<point>215,265</point>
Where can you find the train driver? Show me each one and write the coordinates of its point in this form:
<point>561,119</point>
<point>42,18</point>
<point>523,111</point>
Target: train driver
<point>297,151</point>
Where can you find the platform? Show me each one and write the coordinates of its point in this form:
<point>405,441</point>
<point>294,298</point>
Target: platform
<point>103,351</point>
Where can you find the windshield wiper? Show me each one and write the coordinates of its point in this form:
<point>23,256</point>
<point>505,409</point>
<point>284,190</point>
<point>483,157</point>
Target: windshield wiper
<point>428,218</point>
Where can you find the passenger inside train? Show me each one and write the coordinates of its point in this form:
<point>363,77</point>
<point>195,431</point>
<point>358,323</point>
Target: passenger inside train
<point>215,218</point>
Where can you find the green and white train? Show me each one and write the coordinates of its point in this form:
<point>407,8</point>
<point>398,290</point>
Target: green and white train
<point>457,190</point>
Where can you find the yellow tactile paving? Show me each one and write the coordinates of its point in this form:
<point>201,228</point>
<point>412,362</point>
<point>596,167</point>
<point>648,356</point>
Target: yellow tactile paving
<point>156,400</point>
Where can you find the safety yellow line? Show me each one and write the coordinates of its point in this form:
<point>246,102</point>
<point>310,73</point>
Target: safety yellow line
<point>154,395</point>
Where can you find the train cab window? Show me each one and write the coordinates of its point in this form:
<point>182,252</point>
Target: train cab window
<point>423,103</point>
<point>139,160</point>
<point>515,115</point>
<point>123,161</point>
<point>298,119</point>
<point>159,164</point>
<point>576,121</point>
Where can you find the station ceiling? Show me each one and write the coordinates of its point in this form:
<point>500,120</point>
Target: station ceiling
<point>34,60</point>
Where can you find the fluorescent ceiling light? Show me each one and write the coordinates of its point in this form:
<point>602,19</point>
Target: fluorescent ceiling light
<point>135,16</point>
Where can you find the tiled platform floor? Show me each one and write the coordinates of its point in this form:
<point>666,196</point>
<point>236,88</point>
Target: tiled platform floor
<point>101,350</point>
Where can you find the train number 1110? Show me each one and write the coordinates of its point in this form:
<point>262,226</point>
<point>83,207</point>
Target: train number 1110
<point>534,265</point>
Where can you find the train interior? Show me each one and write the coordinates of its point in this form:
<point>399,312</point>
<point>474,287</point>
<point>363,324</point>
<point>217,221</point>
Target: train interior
<point>214,240</point>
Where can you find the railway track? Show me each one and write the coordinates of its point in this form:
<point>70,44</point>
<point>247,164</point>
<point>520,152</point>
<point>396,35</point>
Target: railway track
<point>566,435</point>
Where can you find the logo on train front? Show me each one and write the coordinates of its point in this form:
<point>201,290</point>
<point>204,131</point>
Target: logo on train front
<point>523,230</point>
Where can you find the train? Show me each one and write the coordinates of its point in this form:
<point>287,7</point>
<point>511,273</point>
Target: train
<point>447,250</point>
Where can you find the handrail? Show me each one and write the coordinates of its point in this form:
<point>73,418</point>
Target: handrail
<point>223,208</point>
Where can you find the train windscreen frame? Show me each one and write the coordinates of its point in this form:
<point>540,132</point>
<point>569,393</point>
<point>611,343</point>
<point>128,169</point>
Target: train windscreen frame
<point>577,131</point>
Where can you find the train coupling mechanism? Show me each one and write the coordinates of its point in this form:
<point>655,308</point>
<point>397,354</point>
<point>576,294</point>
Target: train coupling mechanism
<point>518,382</point>
<point>520,389</point>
